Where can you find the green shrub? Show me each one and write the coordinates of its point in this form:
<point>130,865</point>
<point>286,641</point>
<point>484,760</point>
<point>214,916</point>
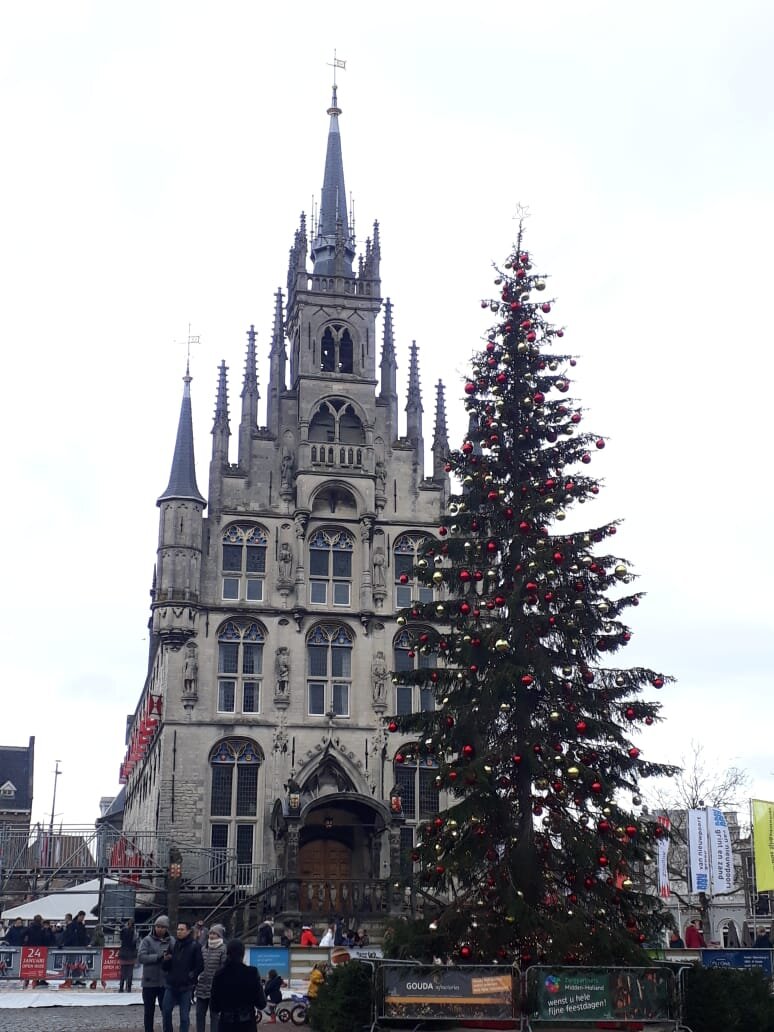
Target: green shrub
<point>728,1000</point>
<point>345,1000</point>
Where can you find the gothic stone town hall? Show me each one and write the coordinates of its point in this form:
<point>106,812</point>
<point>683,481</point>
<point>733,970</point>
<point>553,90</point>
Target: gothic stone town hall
<point>258,746</point>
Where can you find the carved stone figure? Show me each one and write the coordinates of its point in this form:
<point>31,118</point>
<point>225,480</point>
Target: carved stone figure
<point>379,676</point>
<point>381,477</point>
<point>190,669</point>
<point>380,560</point>
<point>282,669</point>
<point>285,561</point>
<point>286,470</point>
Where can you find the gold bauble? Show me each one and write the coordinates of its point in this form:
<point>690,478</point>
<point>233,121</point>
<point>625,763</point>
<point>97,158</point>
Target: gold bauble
<point>627,883</point>
<point>561,515</point>
<point>400,621</point>
<point>440,609</point>
<point>501,645</point>
<point>620,571</point>
<point>555,716</point>
<point>422,564</point>
<point>540,284</point>
<point>437,577</point>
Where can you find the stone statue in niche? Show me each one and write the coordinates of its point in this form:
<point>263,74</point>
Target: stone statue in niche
<point>282,669</point>
<point>190,669</point>
<point>286,470</point>
<point>379,576</point>
<point>379,677</point>
<point>285,562</point>
<point>381,477</point>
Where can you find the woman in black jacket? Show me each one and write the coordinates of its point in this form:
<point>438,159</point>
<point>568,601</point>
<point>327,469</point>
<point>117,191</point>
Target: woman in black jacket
<point>127,954</point>
<point>236,992</point>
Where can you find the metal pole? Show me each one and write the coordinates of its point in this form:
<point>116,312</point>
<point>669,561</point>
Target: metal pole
<point>57,772</point>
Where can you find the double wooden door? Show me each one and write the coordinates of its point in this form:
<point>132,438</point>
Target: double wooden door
<point>325,871</point>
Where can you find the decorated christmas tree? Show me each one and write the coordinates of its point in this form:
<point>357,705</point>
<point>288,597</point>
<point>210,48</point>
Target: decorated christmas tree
<point>538,849</point>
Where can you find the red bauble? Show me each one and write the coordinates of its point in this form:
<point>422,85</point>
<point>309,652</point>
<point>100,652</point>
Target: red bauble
<point>658,682</point>
<point>602,860</point>
<point>531,336</point>
<point>596,787</point>
<point>520,274</point>
<point>649,721</point>
<point>527,680</point>
<point>631,830</point>
<point>501,378</point>
<point>538,397</point>
<point>443,531</point>
<point>439,869</point>
<point>465,951</point>
<point>492,496</point>
<point>467,448</point>
<point>467,751</point>
<point>403,578</point>
<point>586,458</point>
<point>452,775</point>
<point>470,388</point>
<point>516,758</point>
<point>464,576</point>
<point>631,713</point>
<point>392,726</point>
<point>560,333</point>
<point>523,527</point>
<point>600,443</point>
<point>400,758</point>
<point>581,727</point>
<point>603,826</point>
<point>634,752</point>
<point>558,557</point>
<point>545,307</point>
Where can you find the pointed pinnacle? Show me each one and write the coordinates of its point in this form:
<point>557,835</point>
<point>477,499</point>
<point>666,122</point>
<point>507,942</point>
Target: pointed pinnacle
<point>250,384</point>
<point>441,434</point>
<point>414,398</point>
<point>221,402</point>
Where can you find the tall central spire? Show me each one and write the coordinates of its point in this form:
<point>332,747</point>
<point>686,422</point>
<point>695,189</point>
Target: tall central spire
<point>333,224</point>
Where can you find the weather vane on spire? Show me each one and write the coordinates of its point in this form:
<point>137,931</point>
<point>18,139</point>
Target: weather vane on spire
<point>191,340</point>
<point>337,63</point>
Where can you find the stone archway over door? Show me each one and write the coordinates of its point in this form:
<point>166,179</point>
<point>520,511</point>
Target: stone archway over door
<point>325,870</point>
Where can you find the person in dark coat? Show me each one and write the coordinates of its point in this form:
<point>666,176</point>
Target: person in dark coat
<point>237,992</point>
<point>273,990</point>
<point>182,966</point>
<point>16,933</point>
<point>763,941</point>
<point>265,933</point>
<point>152,948</point>
<point>127,954</point>
<point>76,933</point>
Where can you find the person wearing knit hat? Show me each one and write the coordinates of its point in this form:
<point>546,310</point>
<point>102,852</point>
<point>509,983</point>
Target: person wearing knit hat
<point>214,955</point>
<point>152,949</point>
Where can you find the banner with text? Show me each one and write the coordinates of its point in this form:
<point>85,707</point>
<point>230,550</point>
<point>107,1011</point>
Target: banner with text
<point>600,994</point>
<point>698,851</point>
<point>417,992</point>
<point>748,960</point>
<point>763,838</point>
<point>664,888</point>
<point>721,854</point>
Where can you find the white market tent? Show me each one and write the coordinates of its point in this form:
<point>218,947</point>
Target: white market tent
<point>54,906</point>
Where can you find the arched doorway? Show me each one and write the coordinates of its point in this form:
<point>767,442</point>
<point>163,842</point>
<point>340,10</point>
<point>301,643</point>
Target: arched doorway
<point>343,856</point>
<point>325,870</point>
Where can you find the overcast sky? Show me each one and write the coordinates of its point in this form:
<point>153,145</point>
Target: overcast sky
<point>156,158</point>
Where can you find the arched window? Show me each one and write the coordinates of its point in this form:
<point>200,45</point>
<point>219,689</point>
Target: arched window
<point>329,670</point>
<point>240,667</point>
<point>234,768</point>
<point>336,350</point>
<point>407,550</point>
<point>415,774</point>
<point>330,568</point>
<point>335,422</point>
<point>244,562</point>
<point>408,655</point>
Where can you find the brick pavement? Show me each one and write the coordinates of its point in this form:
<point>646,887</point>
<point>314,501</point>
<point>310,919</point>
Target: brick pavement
<point>74,1019</point>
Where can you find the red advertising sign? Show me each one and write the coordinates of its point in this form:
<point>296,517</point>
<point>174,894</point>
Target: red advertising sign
<point>111,965</point>
<point>33,962</point>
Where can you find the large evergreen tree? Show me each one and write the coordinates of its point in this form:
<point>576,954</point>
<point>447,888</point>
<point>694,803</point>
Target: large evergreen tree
<point>538,851</point>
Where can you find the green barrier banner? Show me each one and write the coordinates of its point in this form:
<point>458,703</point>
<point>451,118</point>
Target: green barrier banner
<point>614,994</point>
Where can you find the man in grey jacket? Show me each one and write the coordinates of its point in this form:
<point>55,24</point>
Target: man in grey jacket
<point>152,948</point>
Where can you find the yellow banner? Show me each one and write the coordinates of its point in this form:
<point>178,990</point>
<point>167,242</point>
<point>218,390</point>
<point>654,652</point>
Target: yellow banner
<point>763,835</point>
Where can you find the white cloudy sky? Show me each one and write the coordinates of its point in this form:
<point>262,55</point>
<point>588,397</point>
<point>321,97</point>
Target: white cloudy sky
<point>156,156</point>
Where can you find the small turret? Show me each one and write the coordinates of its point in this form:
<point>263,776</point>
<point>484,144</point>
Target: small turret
<point>414,411</point>
<point>278,358</point>
<point>440,435</point>
<point>221,431</point>
<point>250,398</point>
<point>178,559</point>
<point>388,393</point>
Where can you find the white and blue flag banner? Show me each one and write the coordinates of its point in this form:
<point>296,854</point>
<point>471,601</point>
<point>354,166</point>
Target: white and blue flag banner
<point>698,851</point>
<point>721,855</point>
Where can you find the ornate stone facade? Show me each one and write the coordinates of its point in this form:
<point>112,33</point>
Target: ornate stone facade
<point>274,614</point>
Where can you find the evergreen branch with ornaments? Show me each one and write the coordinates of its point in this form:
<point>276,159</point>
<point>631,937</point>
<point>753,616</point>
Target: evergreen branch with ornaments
<point>538,845</point>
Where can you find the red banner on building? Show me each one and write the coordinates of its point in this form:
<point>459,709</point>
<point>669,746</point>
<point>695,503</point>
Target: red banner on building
<point>33,962</point>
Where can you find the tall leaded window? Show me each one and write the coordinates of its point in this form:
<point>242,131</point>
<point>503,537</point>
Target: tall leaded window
<point>244,562</point>
<point>329,670</point>
<point>336,350</point>
<point>406,552</point>
<point>330,568</point>
<point>415,776</point>
<point>240,667</point>
<point>409,656</point>
<point>234,767</point>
